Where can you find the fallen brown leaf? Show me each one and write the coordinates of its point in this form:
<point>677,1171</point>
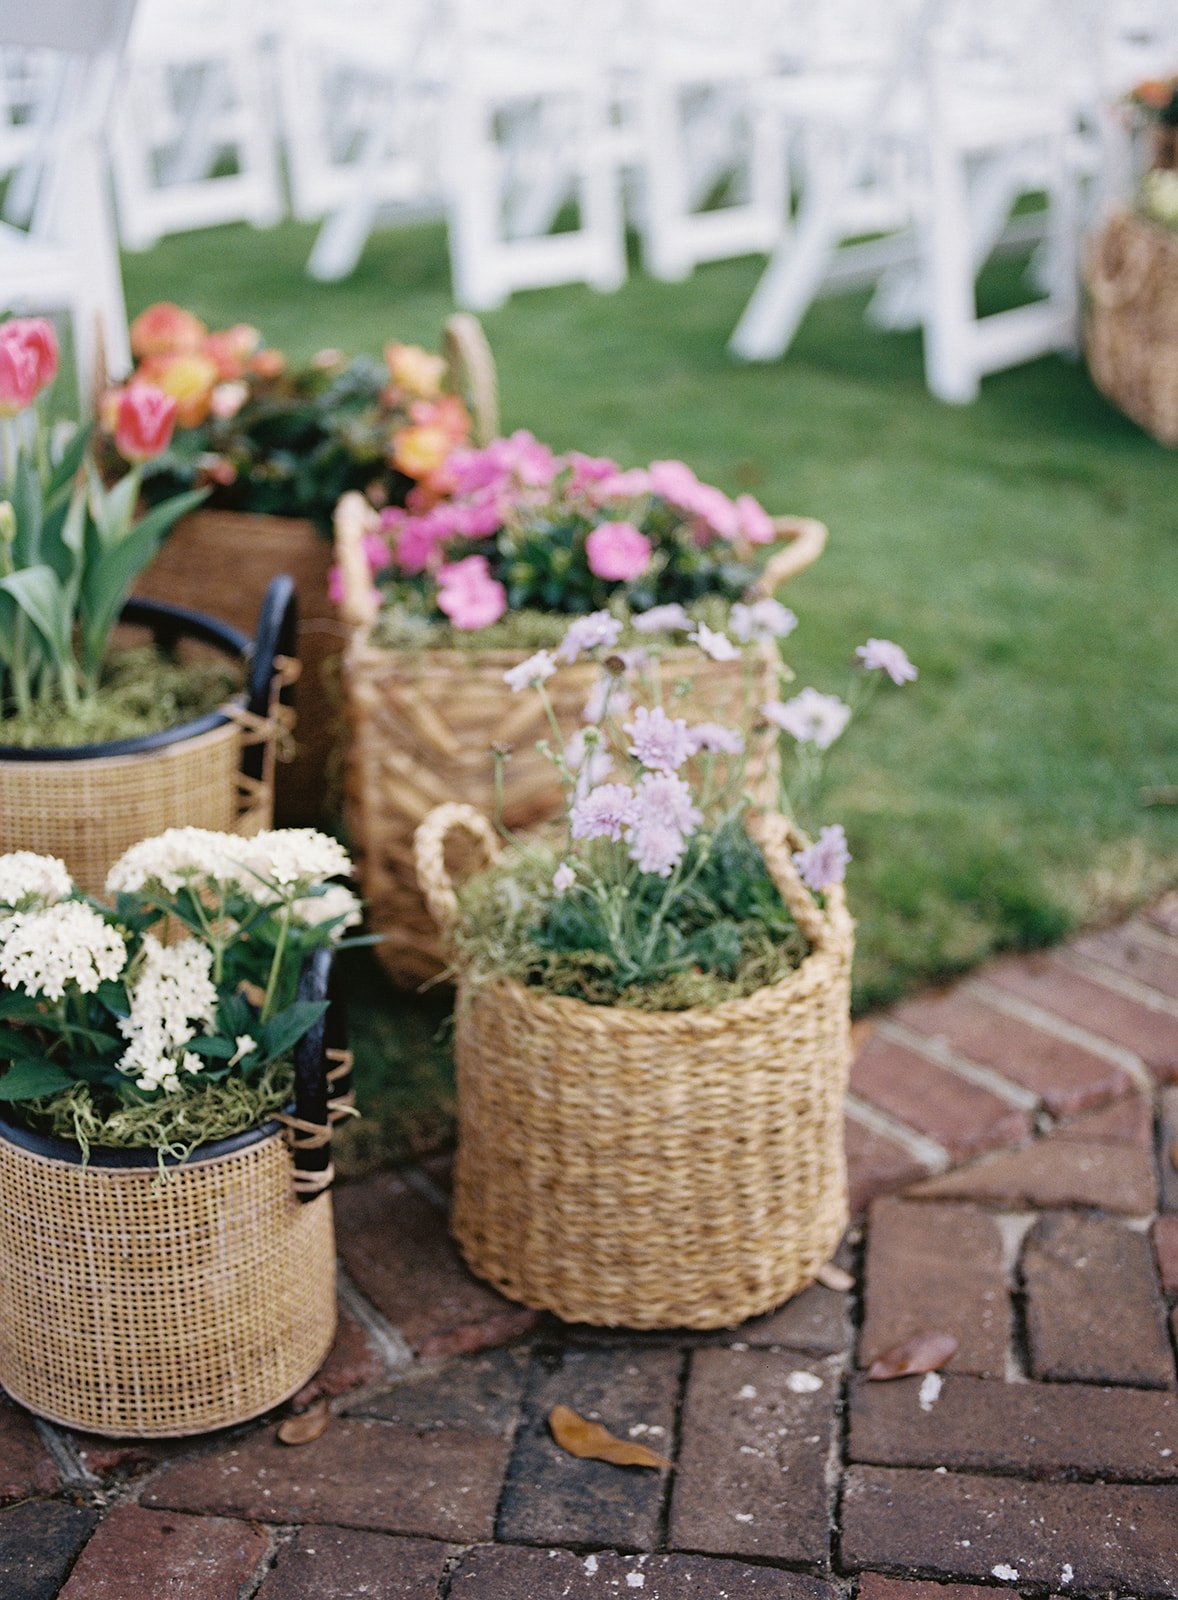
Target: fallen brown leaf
<point>832,1277</point>
<point>592,1442</point>
<point>1174,1155</point>
<point>307,1426</point>
<point>924,1352</point>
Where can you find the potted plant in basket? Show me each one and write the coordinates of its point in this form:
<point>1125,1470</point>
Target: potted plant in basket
<point>446,597</point>
<point>652,1031</point>
<point>102,738</point>
<point>275,447</point>
<point>160,1053</point>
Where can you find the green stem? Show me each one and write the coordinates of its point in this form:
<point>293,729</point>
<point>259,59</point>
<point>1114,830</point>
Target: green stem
<point>276,963</point>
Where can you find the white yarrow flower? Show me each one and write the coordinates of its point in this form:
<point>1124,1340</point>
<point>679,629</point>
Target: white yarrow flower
<point>177,857</point>
<point>335,901</point>
<point>173,998</point>
<point>294,858</point>
<point>28,880</point>
<point>67,945</point>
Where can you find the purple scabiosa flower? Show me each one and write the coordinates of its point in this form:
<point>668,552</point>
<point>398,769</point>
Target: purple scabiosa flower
<point>585,757</point>
<point>717,645</point>
<point>607,694</point>
<point>605,812</point>
<point>713,738</point>
<point>825,862</point>
<point>763,620</point>
<point>587,633</point>
<point>655,848</point>
<point>662,619</point>
<point>660,742</point>
<point>563,878</point>
<point>530,672</point>
<point>881,655</point>
<point>812,718</point>
<point>664,801</point>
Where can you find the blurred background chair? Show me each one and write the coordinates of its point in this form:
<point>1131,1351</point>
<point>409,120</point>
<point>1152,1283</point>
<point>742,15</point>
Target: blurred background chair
<point>58,249</point>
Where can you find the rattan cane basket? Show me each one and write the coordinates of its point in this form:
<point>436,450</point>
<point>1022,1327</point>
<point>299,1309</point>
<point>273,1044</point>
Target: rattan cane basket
<point>1132,338</point>
<point>89,804</point>
<point>423,722</point>
<point>652,1170</point>
<point>135,1305</point>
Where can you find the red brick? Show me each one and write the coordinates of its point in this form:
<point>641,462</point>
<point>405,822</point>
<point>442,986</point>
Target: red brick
<point>1048,982</point>
<point>473,1394</point>
<point>25,1467</point>
<point>876,1164</point>
<point>1033,1430</point>
<point>1135,950</point>
<point>1165,1244</point>
<point>874,1587</point>
<point>147,1555</point>
<point>344,1564</point>
<point>352,1362</point>
<point>817,1319</point>
<point>1112,1536</point>
<point>936,1268</point>
<point>1066,1077</point>
<point>506,1572</point>
<point>127,1457</point>
<point>39,1540</point>
<point>1126,1121</point>
<point>745,1433</point>
<point>959,1115</point>
<point>551,1497</point>
<point>1050,1173</point>
<point>395,1245</point>
<point>356,1475</point>
<point>1094,1314</point>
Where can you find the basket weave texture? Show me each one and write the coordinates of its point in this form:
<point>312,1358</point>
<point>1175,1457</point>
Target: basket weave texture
<point>652,1170</point>
<point>1132,338</point>
<point>423,723</point>
<point>131,1306</point>
<point>89,811</point>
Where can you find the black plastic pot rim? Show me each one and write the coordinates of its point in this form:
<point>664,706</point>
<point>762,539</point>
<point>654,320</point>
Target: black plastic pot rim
<point>194,625</point>
<point>55,1149</point>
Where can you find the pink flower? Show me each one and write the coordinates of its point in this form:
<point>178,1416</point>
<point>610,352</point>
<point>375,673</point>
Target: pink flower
<point>629,485</point>
<point>664,801</point>
<point>662,619</point>
<point>335,585</point>
<point>588,470</point>
<point>28,361</point>
<point>376,551</point>
<point>589,633</point>
<point>228,398</point>
<point>763,620</point>
<point>477,520</point>
<point>38,335</point>
<point>563,878</point>
<point>617,552</point>
<point>469,595</point>
<point>824,862</point>
<point>717,645</point>
<point>811,717</point>
<point>715,511</point>
<point>673,481</point>
<point>144,422</point>
<point>604,813</point>
<point>754,522</point>
<point>655,848</point>
<point>881,655</point>
<point>714,739</point>
<point>530,673</point>
<point>660,742</point>
<point>415,540</point>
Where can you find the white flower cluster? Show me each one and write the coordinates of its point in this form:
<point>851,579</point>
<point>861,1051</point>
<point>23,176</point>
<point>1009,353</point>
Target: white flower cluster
<point>28,880</point>
<point>335,901</point>
<point>172,999</point>
<point>267,867</point>
<point>42,952</point>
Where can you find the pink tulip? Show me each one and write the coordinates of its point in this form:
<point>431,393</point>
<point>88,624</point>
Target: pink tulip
<point>144,422</point>
<point>28,361</point>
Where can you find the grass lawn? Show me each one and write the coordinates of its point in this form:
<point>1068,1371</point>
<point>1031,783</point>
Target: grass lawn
<point>1023,549</point>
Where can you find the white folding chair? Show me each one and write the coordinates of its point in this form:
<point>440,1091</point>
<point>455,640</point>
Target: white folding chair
<point>66,258</point>
<point>528,122</point>
<point>192,141</point>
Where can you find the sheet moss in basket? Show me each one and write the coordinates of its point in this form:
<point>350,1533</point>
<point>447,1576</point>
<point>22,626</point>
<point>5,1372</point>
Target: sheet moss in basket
<point>151,1045</point>
<point>652,1034</point>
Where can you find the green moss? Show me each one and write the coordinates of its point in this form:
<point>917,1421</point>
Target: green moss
<point>397,629</point>
<point>141,693</point>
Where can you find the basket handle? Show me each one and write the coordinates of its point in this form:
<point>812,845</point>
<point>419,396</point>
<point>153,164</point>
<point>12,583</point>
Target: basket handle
<point>429,856</point>
<point>1116,282</point>
<point>778,839</point>
<point>323,1079</point>
<point>353,518</point>
<point>273,661</point>
<point>806,541</point>
<point>472,371</point>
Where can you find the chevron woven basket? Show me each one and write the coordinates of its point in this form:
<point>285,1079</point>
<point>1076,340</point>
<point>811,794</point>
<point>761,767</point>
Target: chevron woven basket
<point>423,724</point>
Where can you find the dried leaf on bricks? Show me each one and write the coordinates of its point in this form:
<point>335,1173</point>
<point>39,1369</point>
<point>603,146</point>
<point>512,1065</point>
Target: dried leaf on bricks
<point>924,1352</point>
<point>307,1426</point>
<point>591,1441</point>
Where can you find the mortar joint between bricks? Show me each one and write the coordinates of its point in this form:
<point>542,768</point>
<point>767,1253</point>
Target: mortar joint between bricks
<point>276,1539</point>
<point>686,1359</point>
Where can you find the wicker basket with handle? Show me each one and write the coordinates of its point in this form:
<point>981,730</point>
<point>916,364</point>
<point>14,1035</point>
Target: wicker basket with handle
<point>422,724</point>
<point>651,1170</point>
<point>135,1305</point>
<point>90,803</point>
<point>1132,336</point>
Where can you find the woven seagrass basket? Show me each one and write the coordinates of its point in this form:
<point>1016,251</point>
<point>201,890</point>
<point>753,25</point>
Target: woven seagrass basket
<point>652,1170</point>
<point>87,804</point>
<point>1132,336</point>
<point>423,722</point>
<point>138,1306</point>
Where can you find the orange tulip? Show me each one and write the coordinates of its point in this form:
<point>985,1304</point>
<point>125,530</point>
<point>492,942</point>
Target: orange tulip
<point>420,450</point>
<point>166,330</point>
<point>231,349</point>
<point>446,412</point>
<point>415,370</point>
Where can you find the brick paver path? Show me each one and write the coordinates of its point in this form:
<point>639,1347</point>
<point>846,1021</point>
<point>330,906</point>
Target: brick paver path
<point>1014,1154</point>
